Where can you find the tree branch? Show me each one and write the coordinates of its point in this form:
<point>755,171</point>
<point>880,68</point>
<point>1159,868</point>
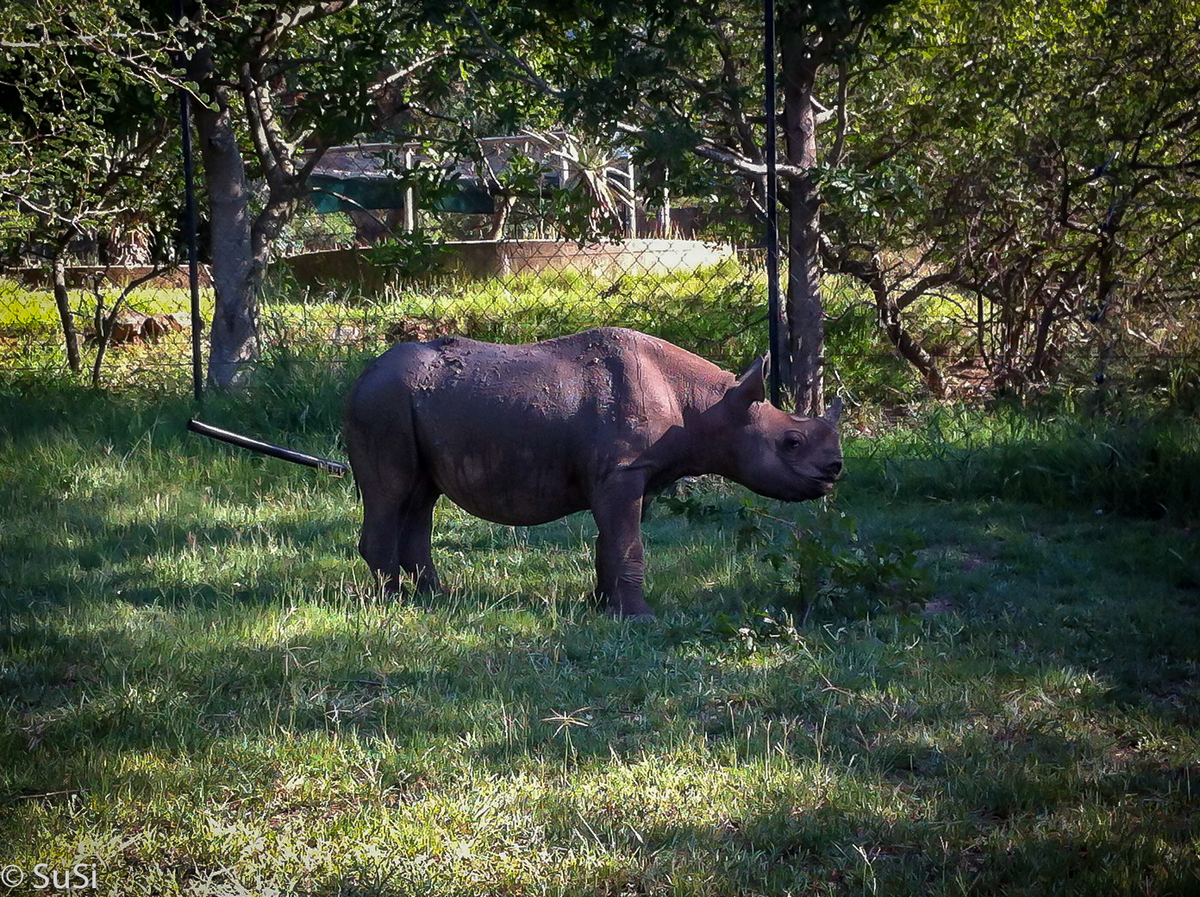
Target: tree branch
<point>258,130</point>
<point>409,70</point>
<point>525,69</point>
<point>839,137</point>
<point>286,20</point>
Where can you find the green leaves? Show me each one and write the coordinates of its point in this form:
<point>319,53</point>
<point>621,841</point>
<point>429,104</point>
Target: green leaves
<point>819,562</point>
<point>410,255</point>
<point>81,85</point>
<point>816,560</point>
<point>1033,154</point>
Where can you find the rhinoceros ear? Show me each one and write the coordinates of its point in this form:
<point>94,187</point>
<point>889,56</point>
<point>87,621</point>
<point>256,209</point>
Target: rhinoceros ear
<point>751,386</point>
<point>833,412</point>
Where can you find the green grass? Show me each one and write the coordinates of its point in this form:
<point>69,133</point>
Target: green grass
<point>1144,462</point>
<point>31,339</point>
<point>718,312</point>
<point>714,310</point>
<point>201,692</point>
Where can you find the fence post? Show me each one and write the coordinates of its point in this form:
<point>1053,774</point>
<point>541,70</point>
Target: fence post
<point>770,200</point>
<point>189,223</point>
<point>664,211</point>
<point>631,227</point>
<point>410,196</point>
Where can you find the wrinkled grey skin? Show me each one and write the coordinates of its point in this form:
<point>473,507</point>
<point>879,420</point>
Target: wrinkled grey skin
<point>521,435</point>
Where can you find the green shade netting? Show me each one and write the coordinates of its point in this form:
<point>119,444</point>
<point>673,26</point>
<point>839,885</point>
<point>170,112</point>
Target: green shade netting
<point>332,194</point>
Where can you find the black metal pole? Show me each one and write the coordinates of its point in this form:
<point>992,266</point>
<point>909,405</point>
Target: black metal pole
<point>771,200</point>
<point>189,223</point>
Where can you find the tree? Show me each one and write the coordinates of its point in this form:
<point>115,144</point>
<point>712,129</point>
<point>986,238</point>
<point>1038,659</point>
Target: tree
<point>812,37</point>
<point>83,86</point>
<point>283,82</point>
<point>684,79</point>
<point>1040,160</point>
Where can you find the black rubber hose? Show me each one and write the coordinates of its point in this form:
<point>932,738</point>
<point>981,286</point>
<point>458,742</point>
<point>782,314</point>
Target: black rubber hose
<point>332,467</point>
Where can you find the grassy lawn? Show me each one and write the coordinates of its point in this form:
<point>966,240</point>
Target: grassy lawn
<point>201,693</point>
<point>708,308</point>
<point>715,311</point>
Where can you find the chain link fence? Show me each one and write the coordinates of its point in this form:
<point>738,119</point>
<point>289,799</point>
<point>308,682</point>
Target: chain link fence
<point>518,239</point>
<point>528,237</point>
<point>376,256</point>
<point>112,323</point>
<point>531,238</point>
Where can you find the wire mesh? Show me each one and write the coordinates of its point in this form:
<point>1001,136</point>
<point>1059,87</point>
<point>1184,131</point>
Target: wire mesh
<point>117,323</point>
<point>529,239</point>
<point>509,246</point>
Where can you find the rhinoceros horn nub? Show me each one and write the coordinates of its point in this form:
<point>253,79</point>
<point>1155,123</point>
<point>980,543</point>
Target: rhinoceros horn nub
<point>834,411</point>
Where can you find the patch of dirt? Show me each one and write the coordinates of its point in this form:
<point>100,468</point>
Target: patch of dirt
<point>132,327</point>
<point>969,377</point>
<point>939,605</point>
<point>345,335</point>
<point>415,330</point>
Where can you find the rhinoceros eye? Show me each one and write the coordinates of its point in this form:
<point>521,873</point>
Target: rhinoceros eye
<point>792,442</point>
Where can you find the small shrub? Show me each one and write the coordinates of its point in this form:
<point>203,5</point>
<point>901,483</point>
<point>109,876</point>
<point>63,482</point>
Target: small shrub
<point>819,561</point>
<point>862,362</point>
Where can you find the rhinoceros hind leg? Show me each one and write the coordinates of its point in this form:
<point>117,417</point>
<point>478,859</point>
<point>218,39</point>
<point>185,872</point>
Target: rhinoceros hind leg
<point>398,500</point>
<point>413,542</point>
<point>379,541</point>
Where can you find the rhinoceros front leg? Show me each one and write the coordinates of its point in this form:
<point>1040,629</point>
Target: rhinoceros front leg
<point>620,561</point>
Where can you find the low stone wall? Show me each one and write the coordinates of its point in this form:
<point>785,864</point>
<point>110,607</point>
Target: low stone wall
<point>492,259</point>
<point>505,258</point>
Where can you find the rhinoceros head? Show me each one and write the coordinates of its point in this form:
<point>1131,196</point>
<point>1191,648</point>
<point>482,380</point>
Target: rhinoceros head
<point>785,456</point>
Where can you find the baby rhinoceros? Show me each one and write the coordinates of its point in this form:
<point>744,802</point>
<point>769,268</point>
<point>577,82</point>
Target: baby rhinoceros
<point>527,434</point>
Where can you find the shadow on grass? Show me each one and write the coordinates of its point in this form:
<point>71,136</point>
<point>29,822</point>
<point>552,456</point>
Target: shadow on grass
<point>1144,641</point>
<point>777,846</point>
<point>1050,602</point>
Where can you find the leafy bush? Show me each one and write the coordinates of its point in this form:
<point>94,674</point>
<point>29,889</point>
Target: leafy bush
<point>860,361</point>
<point>817,561</point>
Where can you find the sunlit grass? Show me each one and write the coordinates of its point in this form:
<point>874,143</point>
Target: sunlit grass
<point>717,311</point>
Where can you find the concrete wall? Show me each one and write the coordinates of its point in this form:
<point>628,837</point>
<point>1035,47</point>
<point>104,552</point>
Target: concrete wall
<point>487,258</point>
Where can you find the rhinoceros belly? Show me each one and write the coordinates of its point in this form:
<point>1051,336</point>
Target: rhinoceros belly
<point>513,434</point>
<point>510,487</point>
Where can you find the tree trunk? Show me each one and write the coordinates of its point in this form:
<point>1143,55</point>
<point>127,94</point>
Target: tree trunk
<point>234,341</point>
<point>63,300</point>
<point>504,206</point>
<point>806,329</point>
<point>910,350</point>
<point>1106,290</point>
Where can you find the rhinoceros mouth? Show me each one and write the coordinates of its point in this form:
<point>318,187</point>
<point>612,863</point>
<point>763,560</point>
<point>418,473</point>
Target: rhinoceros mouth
<point>811,488</point>
<point>822,488</point>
